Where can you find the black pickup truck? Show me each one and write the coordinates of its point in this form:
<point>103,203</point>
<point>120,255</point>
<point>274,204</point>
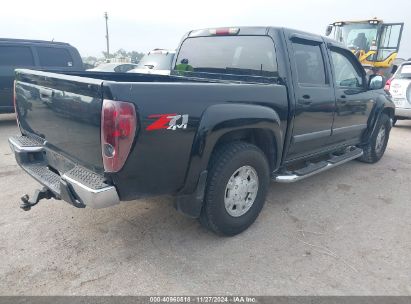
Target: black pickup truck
<point>242,106</point>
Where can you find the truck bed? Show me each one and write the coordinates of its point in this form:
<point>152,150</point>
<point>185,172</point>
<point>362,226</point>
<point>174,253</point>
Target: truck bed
<point>64,111</point>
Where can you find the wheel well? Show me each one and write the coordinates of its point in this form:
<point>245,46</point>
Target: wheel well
<point>262,138</point>
<point>389,112</point>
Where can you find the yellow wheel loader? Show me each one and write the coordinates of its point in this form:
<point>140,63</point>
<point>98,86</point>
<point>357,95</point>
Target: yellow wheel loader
<point>374,42</point>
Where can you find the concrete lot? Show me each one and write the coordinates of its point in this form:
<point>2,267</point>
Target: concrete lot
<point>345,231</point>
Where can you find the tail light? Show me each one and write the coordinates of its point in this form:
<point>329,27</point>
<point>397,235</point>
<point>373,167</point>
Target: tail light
<point>388,85</point>
<point>118,128</point>
<point>224,31</point>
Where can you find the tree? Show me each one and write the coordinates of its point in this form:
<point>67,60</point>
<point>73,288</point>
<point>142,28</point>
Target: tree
<point>135,56</point>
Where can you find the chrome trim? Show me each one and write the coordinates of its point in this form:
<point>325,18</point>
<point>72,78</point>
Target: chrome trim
<point>94,198</point>
<point>291,178</point>
<point>349,129</point>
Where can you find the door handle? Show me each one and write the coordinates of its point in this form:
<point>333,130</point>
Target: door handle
<point>343,96</point>
<point>306,96</point>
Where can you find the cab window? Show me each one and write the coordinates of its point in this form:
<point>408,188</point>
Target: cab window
<point>54,57</point>
<point>16,56</point>
<point>309,64</point>
<point>237,55</point>
<point>345,73</point>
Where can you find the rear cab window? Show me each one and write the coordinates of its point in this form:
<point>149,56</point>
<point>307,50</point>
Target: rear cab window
<point>54,57</point>
<point>17,56</point>
<point>404,71</point>
<point>228,55</point>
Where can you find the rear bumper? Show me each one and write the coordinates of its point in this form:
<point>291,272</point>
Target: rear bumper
<point>77,185</point>
<point>403,112</point>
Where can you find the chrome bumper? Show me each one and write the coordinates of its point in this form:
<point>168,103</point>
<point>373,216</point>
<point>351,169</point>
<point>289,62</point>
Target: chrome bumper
<point>78,186</point>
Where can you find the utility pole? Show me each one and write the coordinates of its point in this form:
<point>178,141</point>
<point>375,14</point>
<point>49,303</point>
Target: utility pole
<point>108,43</point>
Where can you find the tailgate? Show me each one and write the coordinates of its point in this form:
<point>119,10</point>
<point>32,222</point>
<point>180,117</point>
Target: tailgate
<point>64,111</point>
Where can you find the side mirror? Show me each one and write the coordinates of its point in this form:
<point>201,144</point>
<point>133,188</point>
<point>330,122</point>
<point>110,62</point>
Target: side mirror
<point>376,82</point>
<point>328,30</point>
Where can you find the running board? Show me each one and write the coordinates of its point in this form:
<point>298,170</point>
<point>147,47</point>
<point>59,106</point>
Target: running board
<point>314,168</point>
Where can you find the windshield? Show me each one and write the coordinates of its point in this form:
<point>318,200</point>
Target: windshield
<point>358,35</point>
<point>156,61</point>
<point>404,72</point>
<point>237,55</point>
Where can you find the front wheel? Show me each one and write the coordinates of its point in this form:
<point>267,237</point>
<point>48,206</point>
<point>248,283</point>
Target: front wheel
<point>394,121</point>
<point>236,188</point>
<point>377,144</point>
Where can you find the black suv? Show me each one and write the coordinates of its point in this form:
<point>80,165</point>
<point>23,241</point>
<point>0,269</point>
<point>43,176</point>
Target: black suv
<point>34,54</point>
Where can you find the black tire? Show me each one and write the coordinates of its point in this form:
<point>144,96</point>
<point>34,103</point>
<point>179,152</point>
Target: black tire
<point>394,121</point>
<point>225,163</point>
<point>375,149</point>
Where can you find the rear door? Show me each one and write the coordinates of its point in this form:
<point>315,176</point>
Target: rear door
<point>11,57</point>
<point>400,88</point>
<point>314,94</point>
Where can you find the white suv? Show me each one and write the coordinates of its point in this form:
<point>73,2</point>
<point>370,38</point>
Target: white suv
<point>400,88</point>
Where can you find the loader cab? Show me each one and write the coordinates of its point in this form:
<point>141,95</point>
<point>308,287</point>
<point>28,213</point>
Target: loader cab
<point>374,42</point>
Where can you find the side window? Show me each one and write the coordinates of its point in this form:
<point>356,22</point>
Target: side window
<point>54,57</point>
<point>309,64</point>
<point>16,56</point>
<point>346,75</point>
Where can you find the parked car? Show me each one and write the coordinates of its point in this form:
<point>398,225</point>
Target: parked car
<point>400,88</point>
<point>114,67</point>
<point>157,61</point>
<point>256,104</point>
<point>35,54</point>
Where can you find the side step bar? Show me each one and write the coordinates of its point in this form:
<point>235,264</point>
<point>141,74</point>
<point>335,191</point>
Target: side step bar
<point>314,168</point>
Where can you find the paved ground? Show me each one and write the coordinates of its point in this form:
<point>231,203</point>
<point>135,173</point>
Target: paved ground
<point>345,231</point>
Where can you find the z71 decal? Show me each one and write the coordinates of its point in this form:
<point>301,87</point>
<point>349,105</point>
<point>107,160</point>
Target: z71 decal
<point>168,121</point>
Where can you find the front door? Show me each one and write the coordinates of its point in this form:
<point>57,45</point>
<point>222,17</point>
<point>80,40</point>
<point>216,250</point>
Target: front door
<point>314,94</point>
<point>354,102</point>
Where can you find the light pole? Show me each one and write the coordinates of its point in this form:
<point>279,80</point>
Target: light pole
<point>107,39</point>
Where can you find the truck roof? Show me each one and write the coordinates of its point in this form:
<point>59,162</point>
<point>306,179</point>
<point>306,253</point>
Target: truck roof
<point>31,41</point>
<point>255,30</point>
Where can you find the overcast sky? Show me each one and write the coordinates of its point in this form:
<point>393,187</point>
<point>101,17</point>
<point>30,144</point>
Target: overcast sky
<point>144,25</point>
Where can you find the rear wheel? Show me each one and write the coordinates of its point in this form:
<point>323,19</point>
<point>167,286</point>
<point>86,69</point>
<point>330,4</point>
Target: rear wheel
<point>236,188</point>
<point>375,149</point>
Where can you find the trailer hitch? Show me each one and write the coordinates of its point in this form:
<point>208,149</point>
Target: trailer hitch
<point>27,202</point>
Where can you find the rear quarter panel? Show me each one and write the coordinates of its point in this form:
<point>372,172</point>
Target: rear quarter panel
<point>160,158</point>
